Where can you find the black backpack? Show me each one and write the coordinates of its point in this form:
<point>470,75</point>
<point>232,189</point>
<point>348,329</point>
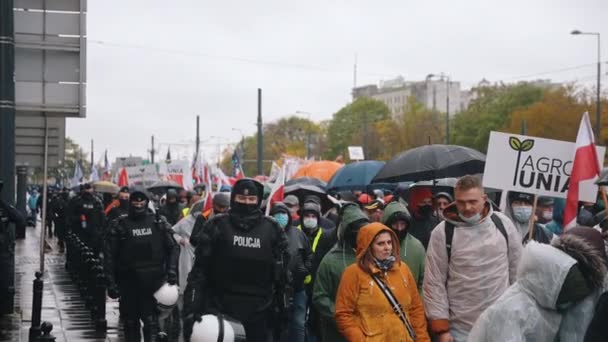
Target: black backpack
<point>449,234</point>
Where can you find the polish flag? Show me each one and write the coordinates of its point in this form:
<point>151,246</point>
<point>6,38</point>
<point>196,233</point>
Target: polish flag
<point>208,189</point>
<point>278,191</point>
<point>586,167</point>
<point>123,178</point>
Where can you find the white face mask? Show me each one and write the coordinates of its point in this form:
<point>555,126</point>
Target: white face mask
<point>471,220</point>
<point>548,215</point>
<point>522,213</point>
<point>310,222</point>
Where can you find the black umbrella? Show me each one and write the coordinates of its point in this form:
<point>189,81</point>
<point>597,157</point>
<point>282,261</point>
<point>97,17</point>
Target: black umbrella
<point>162,186</point>
<point>432,162</point>
<point>305,186</point>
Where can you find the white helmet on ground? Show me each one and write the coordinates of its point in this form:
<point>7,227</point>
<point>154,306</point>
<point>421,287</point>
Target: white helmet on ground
<point>166,298</point>
<point>217,329</point>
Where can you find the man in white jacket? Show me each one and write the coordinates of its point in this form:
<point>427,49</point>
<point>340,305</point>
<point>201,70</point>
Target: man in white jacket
<point>471,260</point>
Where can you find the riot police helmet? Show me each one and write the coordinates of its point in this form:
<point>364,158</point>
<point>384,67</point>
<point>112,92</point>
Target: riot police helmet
<point>166,298</point>
<point>219,328</point>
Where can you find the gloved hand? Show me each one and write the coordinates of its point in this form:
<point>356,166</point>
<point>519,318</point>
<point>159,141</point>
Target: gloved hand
<point>189,323</point>
<point>172,278</point>
<point>113,292</point>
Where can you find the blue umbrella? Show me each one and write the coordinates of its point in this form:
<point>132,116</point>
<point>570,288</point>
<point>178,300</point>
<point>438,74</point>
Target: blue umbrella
<point>355,176</point>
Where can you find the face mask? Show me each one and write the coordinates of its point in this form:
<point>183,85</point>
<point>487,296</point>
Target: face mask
<point>137,211</point>
<point>522,214</point>
<point>124,203</point>
<point>310,222</point>
<point>425,210</point>
<point>548,215</point>
<point>282,218</point>
<point>440,213</point>
<point>244,209</point>
<point>471,220</point>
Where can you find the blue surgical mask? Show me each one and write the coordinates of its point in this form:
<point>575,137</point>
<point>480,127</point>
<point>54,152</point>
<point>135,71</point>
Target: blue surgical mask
<point>522,213</point>
<point>470,220</point>
<point>282,218</point>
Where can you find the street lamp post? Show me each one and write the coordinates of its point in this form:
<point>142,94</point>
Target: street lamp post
<point>447,103</point>
<point>308,134</point>
<point>598,108</point>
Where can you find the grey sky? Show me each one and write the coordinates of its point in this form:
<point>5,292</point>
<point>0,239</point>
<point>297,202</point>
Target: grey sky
<point>154,65</point>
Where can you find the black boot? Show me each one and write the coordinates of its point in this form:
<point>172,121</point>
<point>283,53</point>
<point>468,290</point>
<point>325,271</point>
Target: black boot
<point>132,333</point>
<point>151,329</point>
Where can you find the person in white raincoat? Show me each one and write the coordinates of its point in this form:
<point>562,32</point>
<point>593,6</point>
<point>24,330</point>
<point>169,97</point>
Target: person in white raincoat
<point>183,230</point>
<point>553,281</point>
<point>485,251</point>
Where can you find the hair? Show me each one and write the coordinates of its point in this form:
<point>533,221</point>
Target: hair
<point>367,260</point>
<point>468,182</point>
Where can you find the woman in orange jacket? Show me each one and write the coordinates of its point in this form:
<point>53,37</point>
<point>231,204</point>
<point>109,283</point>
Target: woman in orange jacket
<point>363,311</point>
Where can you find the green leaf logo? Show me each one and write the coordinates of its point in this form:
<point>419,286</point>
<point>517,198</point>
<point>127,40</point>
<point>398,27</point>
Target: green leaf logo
<point>527,145</point>
<point>515,143</point>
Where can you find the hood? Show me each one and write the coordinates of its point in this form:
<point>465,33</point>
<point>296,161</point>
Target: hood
<point>368,233</point>
<point>450,213</point>
<point>591,259</point>
<point>542,272</point>
<point>416,196</point>
<point>280,207</point>
<point>559,205</point>
<point>393,210</point>
<point>350,213</point>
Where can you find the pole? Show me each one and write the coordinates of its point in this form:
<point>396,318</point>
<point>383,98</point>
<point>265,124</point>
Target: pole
<point>152,151</point>
<point>365,151</point>
<point>92,155</point>
<point>260,135</point>
<point>198,137</point>
<point>447,114</point>
<point>44,192</point>
<point>524,127</point>
<point>598,109</point>
<point>7,101</point>
<point>531,222</point>
<point>21,198</point>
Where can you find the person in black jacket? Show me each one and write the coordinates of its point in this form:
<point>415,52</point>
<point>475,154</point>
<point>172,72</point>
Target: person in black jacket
<point>140,256</point>
<point>240,267</point>
<point>172,209</point>
<point>300,264</point>
<point>87,219</point>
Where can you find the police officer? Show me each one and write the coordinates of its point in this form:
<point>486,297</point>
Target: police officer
<point>140,256</point>
<point>221,203</point>
<point>87,219</point>
<point>8,214</point>
<point>122,207</point>
<point>60,204</point>
<point>171,210</point>
<point>239,270</point>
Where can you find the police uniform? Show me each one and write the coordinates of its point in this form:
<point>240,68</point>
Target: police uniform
<point>87,219</point>
<point>239,267</point>
<point>140,256</point>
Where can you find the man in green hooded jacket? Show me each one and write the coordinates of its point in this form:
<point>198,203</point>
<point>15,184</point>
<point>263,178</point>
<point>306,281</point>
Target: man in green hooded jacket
<point>331,268</point>
<point>397,217</point>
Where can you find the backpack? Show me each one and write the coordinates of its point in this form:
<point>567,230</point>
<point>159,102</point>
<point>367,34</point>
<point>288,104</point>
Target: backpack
<point>449,234</point>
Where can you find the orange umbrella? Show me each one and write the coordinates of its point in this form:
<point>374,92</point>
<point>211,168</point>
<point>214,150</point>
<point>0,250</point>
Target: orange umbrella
<point>322,170</point>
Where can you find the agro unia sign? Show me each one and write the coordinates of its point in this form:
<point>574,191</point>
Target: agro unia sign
<point>534,165</point>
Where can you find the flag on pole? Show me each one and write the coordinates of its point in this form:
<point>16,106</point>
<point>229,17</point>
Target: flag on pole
<point>94,174</point>
<point>585,167</point>
<point>123,177</point>
<point>278,191</point>
<point>168,157</point>
<point>208,189</point>
<point>237,169</point>
<point>78,174</point>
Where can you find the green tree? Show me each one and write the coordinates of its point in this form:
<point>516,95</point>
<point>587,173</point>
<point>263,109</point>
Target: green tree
<point>491,110</point>
<point>289,135</point>
<point>352,124</point>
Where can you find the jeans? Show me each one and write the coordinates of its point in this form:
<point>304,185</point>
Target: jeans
<point>298,318</point>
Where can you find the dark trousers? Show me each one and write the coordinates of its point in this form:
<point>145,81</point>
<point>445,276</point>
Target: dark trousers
<point>136,305</point>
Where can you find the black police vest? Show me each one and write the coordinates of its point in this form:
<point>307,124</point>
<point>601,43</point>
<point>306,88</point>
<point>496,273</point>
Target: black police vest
<point>141,244</point>
<point>244,261</point>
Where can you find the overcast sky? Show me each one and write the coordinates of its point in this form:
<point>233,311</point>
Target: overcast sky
<point>154,65</point>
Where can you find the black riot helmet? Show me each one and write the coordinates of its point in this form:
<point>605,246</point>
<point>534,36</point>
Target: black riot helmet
<point>138,201</point>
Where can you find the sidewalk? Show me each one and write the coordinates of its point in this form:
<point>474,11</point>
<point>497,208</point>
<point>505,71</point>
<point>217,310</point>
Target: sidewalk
<point>61,303</point>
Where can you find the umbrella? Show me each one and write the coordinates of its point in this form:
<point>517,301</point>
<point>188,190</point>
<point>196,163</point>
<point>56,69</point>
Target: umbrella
<point>106,187</point>
<point>322,170</point>
<point>432,162</point>
<point>355,176</point>
<point>305,186</point>
<point>162,186</point>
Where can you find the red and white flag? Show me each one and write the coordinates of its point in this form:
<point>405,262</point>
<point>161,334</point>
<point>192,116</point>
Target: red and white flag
<point>585,167</point>
<point>123,178</point>
<point>208,189</point>
<point>278,191</point>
